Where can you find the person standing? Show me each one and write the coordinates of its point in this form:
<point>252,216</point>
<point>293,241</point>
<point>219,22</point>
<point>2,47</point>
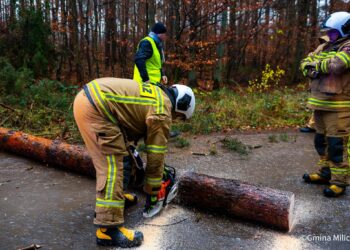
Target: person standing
<point>149,57</point>
<point>310,125</point>
<point>328,67</point>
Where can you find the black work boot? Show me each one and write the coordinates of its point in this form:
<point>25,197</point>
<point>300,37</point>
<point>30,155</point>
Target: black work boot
<point>174,133</point>
<point>307,130</point>
<point>324,174</point>
<point>130,200</point>
<point>120,237</point>
<point>334,191</point>
<point>323,177</point>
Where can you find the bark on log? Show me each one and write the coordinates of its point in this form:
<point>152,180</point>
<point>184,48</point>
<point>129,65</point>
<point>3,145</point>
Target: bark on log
<point>65,156</point>
<point>260,204</point>
<point>264,205</point>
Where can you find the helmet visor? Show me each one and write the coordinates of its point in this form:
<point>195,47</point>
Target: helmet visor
<point>333,35</point>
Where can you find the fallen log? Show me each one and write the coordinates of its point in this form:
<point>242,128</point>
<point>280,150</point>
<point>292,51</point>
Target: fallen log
<point>52,152</point>
<point>264,205</point>
<point>239,199</point>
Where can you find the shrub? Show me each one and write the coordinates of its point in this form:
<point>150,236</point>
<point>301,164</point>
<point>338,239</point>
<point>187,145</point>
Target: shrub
<point>181,142</point>
<point>270,79</point>
<point>40,64</point>
<point>226,109</point>
<point>235,145</point>
<point>27,42</point>
<point>24,79</point>
<point>8,76</point>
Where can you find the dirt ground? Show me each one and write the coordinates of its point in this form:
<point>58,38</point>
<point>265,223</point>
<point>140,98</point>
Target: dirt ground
<point>54,209</point>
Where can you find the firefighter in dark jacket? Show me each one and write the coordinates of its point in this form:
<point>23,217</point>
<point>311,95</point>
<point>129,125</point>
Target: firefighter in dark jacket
<point>328,67</point>
<point>149,57</point>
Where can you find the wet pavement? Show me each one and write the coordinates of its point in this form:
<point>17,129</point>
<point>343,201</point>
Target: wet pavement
<point>54,209</point>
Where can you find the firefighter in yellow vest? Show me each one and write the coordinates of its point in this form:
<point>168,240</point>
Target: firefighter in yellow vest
<point>328,67</point>
<point>110,112</point>
<point>149,57</point>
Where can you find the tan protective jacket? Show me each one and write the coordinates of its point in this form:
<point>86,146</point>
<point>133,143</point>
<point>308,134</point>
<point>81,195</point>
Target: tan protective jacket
<point>331,90</point>
<point>142,110</point>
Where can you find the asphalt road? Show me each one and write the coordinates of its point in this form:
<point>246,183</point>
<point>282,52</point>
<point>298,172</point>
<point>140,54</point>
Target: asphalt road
<point>54,209</point>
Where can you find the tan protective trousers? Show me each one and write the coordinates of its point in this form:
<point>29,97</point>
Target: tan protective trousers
<point>311,121</point>
<point>335,126</point>
<point>105,144</point>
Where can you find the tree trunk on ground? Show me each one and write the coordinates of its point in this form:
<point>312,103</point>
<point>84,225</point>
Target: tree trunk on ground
<point>264,205</point>
<point>60,154</point>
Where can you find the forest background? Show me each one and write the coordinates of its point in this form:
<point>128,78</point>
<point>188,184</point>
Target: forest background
<point>242,57</point>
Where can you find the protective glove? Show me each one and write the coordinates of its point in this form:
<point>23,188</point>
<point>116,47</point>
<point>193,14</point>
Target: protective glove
<point>312,73</point>
<point>311,69</point>
<point>165,80</point>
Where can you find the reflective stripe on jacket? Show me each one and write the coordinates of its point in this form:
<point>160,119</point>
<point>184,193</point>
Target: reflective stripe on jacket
<point>331,90</point>
<point>143,110</point>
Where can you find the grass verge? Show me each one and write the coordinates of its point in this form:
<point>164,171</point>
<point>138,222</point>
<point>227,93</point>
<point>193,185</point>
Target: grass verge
<point>45,109</point>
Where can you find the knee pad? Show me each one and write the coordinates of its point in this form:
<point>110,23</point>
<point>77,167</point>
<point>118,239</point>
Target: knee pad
<point>335,149</point>
<point>320,144</point>
<point>127,166</point>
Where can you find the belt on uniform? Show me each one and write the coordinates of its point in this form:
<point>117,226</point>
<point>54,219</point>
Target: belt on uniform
<point>87,93</point>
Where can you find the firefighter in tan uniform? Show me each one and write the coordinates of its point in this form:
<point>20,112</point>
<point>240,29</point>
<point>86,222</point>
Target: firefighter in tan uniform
<point>110,112</point>
<point>328,67</point>
<point>310,125</point>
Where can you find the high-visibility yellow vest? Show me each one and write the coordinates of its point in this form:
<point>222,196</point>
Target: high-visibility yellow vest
<point>153,65</point>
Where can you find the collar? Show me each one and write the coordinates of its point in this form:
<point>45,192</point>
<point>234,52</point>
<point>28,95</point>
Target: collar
<point>170,92</point>
<point>155,37</point>
<point>337,44</point>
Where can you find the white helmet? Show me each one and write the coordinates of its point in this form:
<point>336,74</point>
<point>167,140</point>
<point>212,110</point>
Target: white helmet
<point>185,101</point>
<point>339,21</point>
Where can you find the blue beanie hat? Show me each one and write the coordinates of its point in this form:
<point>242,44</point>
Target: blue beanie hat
<point>159,28</point>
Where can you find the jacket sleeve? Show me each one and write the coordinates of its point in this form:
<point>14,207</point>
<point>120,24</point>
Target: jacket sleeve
<point>338,63</point>
<point>156,147</point>
<point>314,57</point>
<point>311,57</point>
<point>143,53</point>
<point>157,138</point>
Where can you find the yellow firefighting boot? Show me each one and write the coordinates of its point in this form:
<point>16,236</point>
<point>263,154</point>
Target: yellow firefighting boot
<point>120,237</point>
<point>130,200</point>
<point>322,177</point>
<point>333,191</point>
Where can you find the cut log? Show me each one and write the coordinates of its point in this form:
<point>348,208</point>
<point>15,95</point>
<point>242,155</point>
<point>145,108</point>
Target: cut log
<point>53,152</point>
<point>232,197</point>
<point>239,199</point>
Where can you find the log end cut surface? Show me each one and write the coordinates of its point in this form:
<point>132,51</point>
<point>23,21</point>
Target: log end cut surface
<point>239,199</point>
